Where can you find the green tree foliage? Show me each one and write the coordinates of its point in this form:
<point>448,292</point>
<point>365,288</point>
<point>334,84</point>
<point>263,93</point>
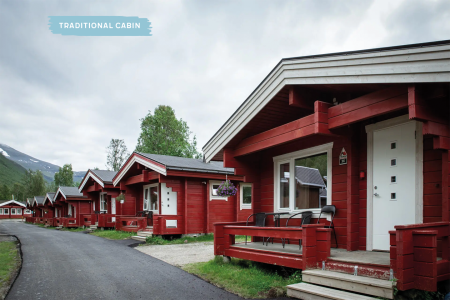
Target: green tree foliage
<point>163,133</point>
<point>64,177</point>
<point>5,193</point>
<point>33,184</point>
<point>117,154</point>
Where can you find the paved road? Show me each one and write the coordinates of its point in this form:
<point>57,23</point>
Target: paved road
<point>67,265</point>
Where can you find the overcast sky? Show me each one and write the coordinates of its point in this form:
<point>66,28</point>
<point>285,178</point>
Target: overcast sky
<point>62,98</point>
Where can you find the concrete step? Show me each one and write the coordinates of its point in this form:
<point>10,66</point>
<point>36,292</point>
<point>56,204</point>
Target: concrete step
<point>357,284</point>
<point>145,233</point>
<point>308,291</point>
<point>139,238</point>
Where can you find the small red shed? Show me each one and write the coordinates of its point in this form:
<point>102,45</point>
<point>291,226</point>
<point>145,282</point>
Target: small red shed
<point>169,195</point>
<point>70,205</point>
<point>374,126</point>
<point>97,185</point>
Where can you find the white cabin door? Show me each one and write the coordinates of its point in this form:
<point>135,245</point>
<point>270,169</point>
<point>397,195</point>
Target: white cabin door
<point>113,208</point>
<point>168,200</point>
<point>394,180</point>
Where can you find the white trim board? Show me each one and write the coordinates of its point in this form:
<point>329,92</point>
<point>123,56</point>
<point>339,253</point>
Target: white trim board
<point>419,172</point>
<point>12,201</point>
<point>92,175</point>
<point>142,161</point>
<point>425,64</point>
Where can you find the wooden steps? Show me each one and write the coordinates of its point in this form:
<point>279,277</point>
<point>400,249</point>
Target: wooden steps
<point>308,291</point>
<point>142,235</point>
<point>331,285</point>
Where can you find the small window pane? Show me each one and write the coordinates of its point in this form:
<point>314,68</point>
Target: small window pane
<point>6,211</point>
<point>393,145</point>
<point>393,179</point>
<point>310,186</point>
<point>247,195</point>
<point>393,162</point>
<point>13,211</point>
<point>393,196</point>
<point>154,198</point>
<point>19,211</point>
<point>284,185</point>
<point>1,211</point>
<point>214,189</point>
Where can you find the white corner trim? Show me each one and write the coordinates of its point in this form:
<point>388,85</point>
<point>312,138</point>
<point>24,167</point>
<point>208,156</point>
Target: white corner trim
<point>140,160</point>
<point>290,157</point>
<point>421,64</point>
<point>90,174</point>
<point>419,172</point>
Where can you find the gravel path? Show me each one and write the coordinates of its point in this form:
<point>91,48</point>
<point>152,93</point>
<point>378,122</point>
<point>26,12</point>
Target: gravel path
<point>180,255</point>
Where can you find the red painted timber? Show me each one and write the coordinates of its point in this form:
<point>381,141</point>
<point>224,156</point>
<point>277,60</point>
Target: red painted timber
<point>435,128</point>
<point>204,175</point>
<point>260,256</point>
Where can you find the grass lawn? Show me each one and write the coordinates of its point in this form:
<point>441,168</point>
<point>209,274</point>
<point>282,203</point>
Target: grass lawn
<point>113,234</point>
<point>73,229</point>
<point>245,278</point>
<point>184,240</point>
<point>43,226</point>
<point>9,262</point>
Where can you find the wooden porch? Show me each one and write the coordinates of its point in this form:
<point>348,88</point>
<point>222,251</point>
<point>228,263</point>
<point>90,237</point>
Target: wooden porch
<point>418,257</point>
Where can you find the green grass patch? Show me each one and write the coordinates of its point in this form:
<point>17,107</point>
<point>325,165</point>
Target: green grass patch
<point>73,229</point>
<point>9,263</point>
<point>246,278</point>
<point>113,234</point>
<point>157,240</point>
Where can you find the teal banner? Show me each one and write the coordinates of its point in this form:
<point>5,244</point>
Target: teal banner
<point>100,26</point>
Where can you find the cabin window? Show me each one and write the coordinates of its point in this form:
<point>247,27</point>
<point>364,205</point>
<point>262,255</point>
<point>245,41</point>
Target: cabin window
<point>13,211</point>
<point>27,211</point>
<point>213,186</point>
<point>19,211</point>
<point>1,211</point>
<point>6,211</point>
<point>302,179</point>
<point>70,210</point>
<point>151,198</point>
<point>103,202</point>
<point>246,195</point>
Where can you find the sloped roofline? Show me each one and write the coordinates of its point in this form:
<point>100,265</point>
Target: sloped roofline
<point>59,191</point>
<point>90,174</point>
<point>13,201</point>
<point>47,197</point>
<point>138,158</point>
<point>352,67</point>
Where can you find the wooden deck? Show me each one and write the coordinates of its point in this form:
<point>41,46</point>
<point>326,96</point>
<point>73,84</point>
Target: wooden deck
<point>276,247</point>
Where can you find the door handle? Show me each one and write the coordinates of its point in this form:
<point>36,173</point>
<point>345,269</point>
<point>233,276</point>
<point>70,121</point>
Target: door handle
<point>376,195</point>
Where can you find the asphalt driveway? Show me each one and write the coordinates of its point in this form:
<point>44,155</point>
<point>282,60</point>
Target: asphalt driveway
<point>68,265</point>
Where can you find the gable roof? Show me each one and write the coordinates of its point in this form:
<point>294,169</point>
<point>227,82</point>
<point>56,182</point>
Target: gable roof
<point>162,163</point>
<point>30,201</point>
<point>69,192</point>
<point>9,202</point>
<point>309,177</point>
<point>424,62</point>
<point>49,197</point>
<point>39,200</point>
<point>102,177</point>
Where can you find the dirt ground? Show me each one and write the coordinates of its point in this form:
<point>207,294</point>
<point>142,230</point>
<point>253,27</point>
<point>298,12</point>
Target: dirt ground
<point>180,255</point>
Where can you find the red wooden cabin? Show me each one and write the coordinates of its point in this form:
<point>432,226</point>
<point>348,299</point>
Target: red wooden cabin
<point>48,210</point>
<point>12,209</point>
<point>180,194</point>
<point>97,186</point>
<point>375,123</point>
<point>70,205</point>
<point>35,204</point>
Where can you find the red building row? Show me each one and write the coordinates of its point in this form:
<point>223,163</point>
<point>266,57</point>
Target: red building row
<point>12,209</point>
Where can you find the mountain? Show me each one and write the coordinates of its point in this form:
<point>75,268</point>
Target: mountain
<point>34,164</point>
<point>10,172</point>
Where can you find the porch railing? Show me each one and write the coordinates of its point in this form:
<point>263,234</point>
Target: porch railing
<point>160,224</point>
<point>316,244</point>
<point>414,255</point>
<point>86,220</point>
<point>106,220</point>
<point>48,221</point>
<point>69,222</point>
<point>129,223</point>
<point>30,219</point>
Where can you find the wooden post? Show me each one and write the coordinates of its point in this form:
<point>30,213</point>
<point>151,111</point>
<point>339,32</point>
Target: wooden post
<point>185,206</point>
<point>425,259</point>
<point>309,244</point>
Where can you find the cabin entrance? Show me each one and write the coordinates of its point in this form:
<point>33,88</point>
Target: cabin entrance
<point>396,176</point>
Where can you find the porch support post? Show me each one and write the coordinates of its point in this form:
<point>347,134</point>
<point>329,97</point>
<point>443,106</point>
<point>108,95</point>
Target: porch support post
<point>353,194</point>
<point>445,195</point>
<point>309,242</point>
<point>185,206</point>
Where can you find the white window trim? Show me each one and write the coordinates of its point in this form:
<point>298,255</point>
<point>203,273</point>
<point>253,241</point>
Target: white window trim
<point>241,195</point>
<point>143,195</point>
<point>291,157</point>
<point>1,211</point>
<point>212,197</point>
<point>105,200</point>
<point>17,211</point>
<point>6,211</point>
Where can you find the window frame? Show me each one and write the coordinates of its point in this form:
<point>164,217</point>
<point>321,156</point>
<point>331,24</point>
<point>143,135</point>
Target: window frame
<point>18,212</point>
<point>241,195</point>
<point>103,201</point>
<point>1,211</point>
<point>215,197</point>
<point>290,158</point>
<point>148,186</point>
<point>6,211</point>
<point>13,209</point>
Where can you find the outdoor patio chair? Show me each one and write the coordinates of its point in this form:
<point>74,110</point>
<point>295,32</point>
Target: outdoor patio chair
<point>329,209</point>
<point>260,221</point>
<point>306,219</point>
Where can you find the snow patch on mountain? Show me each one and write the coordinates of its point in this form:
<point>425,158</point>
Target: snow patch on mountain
<point>34,160</point>
<point>4,152</point>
